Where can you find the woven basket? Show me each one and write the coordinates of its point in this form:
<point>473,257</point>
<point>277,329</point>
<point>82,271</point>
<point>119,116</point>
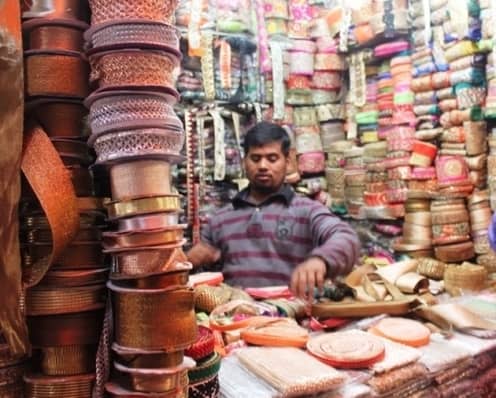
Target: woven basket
<point>465,277</point>
<point>209,297</point>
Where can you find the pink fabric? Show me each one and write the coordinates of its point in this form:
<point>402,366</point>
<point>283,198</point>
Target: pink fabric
<point>424,173</point>
<point>390,48</point>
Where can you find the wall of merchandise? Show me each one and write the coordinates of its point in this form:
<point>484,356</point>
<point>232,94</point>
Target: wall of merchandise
<point>389,107</point>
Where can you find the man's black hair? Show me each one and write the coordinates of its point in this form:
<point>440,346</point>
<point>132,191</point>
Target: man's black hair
<point>264,133</point>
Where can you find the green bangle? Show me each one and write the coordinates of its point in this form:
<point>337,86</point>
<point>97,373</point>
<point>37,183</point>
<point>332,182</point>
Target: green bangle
<point>205,369</point>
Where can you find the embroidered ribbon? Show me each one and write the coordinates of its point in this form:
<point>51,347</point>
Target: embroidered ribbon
<point>207,66</point>
<point>220,148</point>
<point>195,47</point>
<point>278,79</point>
<point>345,26</point>
<point>225,65</point>
<point>358,79</point>
<point>263,46</point>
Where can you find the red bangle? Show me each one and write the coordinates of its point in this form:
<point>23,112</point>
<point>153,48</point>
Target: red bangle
<point>203,346</point>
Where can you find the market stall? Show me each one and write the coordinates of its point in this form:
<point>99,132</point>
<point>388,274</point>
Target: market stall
<point>135,115</point>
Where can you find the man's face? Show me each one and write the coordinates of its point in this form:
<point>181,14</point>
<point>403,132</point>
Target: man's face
<point>265,167</point>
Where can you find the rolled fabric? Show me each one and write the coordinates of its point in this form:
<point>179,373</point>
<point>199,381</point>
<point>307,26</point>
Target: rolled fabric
<point>425,97</point>
<point>441,80</point>
<point>448,105</point>
<point>475,137</point>
<point>451,169</point>
<point>311,162</point>
<point>460,49</point>
<point>431,109</point>
<point>477,61</point>
<point>423,154</point>
<point>469,96</point>
<point>301,63</point>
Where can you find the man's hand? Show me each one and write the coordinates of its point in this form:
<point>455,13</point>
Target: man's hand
<point>203,254</point>
<point>308,275</point>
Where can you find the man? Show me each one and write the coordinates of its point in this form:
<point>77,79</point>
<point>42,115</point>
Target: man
<point>269,235</point>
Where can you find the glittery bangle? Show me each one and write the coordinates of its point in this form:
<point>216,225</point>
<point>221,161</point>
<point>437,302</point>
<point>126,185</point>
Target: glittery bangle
<point>39,386</point>
<point>133,34</point>
<point>152,10</point>
<point>151,359</point>
<point>137,309</point>
<point>140,179</point>
<point>449,217</point>
<point>134,68</point>
<point>49,301</point>
<point>54,34</point>
<point>118,110</point>
<point>71,80</point>
<point>140,206</point>
<point>164,236</point>
<point>68,360</point>
<point>155,380</point>
<point>450,233</point>
<point>139,144</point>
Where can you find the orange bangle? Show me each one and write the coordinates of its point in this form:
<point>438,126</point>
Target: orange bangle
<point>455,252</point>
<point>55,34</point>
<point>143,178</point>
<point>423,218</point>
<point>449,217</point>
<point>70,80</point>
<point>60,118</point>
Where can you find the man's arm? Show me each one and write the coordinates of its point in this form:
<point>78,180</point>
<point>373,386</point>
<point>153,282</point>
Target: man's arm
<point>204,253</point>
<point>336,250</point>
<point>335,242</point>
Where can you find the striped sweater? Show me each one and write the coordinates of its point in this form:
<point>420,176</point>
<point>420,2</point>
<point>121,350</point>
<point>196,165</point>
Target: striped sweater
<point>261,245</point>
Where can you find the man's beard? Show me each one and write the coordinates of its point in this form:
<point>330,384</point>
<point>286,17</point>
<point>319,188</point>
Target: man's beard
<point>265,189</point>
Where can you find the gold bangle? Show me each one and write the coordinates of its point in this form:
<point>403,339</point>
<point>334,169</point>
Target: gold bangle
<point>68,360</point>
<point>419,218</point>
<point>481,216</point>
<point>431,268</point>
<point>450,217</point>
<point>38,386</point>
<point>416,232</point>
<point>50,301</point>
<point>136,207</point>
<point>121,240</point>
<point>155,380</point>
<point>134,358</point>
<point>137,311</point>
<point>477,197</point>
<point>144,178</point>
<point>455,252</point>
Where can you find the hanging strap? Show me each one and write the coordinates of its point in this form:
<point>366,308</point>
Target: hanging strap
<point>52,185</point>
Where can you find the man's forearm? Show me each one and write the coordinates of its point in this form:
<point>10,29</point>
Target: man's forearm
<point>340,252</point>
<point>202,254</point>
